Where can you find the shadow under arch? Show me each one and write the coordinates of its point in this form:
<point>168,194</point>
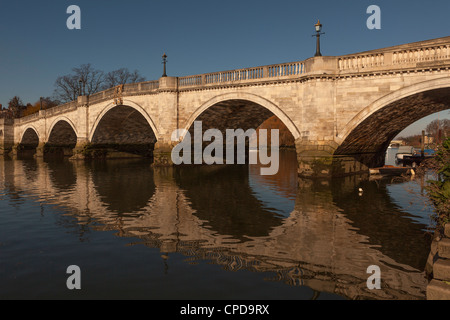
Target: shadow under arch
<point>367,135</point>
<point>240,115</point>
<point>28,143</point>
<point>236,100</point>
<point>124,128</point>
<point>30,138</point>
<point>62,138</point>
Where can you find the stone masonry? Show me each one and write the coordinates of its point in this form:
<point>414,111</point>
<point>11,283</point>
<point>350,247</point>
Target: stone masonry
<point>341,111</point>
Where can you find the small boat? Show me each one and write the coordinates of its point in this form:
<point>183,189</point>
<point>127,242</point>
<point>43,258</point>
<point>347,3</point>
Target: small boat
<point>416,159</point>
<point>404,151</point>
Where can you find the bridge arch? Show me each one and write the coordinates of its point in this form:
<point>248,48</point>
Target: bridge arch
<point>243,96</point>
<point>61,137</point>
<point>125,128</point>
<point>368,134</point>
<point>29,135</point>
<point>59,119</point>
<point>127,103</point>
<point>386,100</point>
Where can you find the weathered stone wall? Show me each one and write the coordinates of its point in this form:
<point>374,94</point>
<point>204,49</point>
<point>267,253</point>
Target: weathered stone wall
<point>438,266</point>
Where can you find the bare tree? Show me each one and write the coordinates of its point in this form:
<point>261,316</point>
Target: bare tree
<point>439,128</point>
<point>67,88</point>
<point>121,76</point>
<point>136,77</point>
<point>91,79</point>
<point>85,80</point>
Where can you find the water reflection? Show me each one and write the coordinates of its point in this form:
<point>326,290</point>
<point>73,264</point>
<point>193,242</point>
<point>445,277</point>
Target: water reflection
<point>222,197</point>
<point>321,234</point>
<point>122,185</point>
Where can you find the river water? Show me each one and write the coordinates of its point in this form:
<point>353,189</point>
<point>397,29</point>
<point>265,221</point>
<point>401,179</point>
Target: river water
<point>210,232</point>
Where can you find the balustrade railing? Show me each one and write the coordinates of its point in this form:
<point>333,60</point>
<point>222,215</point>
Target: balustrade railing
<point>440,52</point>
<point>361,61</point>
<point>395,57</point>
<point>255,73</point>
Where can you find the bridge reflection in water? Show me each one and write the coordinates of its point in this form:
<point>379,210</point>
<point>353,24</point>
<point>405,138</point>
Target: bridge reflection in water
<point>322,235</point>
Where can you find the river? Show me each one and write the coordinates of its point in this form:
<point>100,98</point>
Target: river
<point>209,232</point>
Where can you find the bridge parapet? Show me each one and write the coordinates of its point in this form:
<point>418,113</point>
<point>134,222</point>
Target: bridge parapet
<point>61,109</point>
<point>405,56</point>
<point>128,89</point>
<point>276,71</point>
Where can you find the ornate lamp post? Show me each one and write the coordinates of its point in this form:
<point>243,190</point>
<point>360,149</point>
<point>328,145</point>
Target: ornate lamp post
<point>164,63</point>
<point>318,27</point>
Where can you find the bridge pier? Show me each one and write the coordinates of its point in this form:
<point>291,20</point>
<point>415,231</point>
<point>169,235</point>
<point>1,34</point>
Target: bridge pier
<point>6,136</point>
<point>162,154</point>
<point>40,150</point>
<point>79,150</point>
<point>317,159</point>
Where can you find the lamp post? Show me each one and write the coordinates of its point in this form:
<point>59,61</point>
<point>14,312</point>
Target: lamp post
<point>164,63</point>
<point>318,27</point>
<point>40,99</point>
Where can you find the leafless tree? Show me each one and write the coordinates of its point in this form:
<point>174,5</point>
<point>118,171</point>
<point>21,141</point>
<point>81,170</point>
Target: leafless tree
<point>67,88</point>
<point>438,128</point>
<point>121,76</point>
<point>91,79</point>
<point>85,80</point>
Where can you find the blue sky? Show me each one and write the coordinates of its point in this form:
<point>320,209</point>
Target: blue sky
<point>198,36</point>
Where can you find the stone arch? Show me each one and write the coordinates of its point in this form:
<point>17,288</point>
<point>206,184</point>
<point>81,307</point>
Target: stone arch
<point>62,118</point>
<point>242,96</point>
<point>29,142</point>
<point>390,98</point>
<point>128,103</point>
<point>367,136</point>
<point>126,129</point>
<point>30,137</point>
<point>62,137</point>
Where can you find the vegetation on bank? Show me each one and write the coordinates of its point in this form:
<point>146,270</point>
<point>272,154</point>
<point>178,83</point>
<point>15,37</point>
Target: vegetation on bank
<point>100,151</point>
<point>438,191</point>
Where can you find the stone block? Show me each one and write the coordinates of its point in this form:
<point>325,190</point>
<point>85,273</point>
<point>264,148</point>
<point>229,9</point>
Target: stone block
<point>444,248</point>
<point>438,290</point>
<point>447,230</point>
<point>441,270</point>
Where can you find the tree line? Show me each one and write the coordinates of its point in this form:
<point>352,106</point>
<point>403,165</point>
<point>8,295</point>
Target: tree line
<point>83,80</point>
<point>436,131</point>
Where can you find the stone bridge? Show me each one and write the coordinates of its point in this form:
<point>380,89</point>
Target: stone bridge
<point>342,111</point>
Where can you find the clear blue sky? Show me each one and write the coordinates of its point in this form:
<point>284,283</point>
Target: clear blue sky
<point>198,36</point>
